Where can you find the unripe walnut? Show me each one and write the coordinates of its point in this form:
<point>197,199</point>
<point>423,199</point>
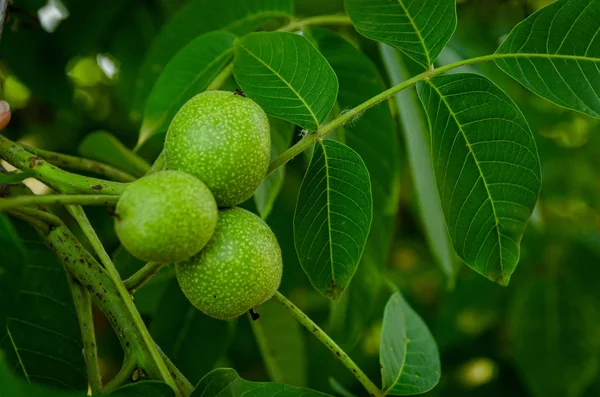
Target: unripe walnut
<point>239,268</point>
<point>223,139</point>
<point>166,217</point>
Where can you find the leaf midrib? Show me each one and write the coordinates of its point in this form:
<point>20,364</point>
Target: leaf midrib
<point>16,349</point>
<point>329,216</point>
<point>284,81</point>
<point>460,127</point>
<point>417,31</point>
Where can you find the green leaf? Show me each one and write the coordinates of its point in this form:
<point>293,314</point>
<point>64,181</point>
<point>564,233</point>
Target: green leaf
<point>146,389</point>
<point>410,361</point>
<point>198,17</point>
<point>556,54</point>
<point>286,75</point>
<point>225,382</point>
<point>281,344</point>
<point>12,385</point>
<point>554,337</point>
<point>43,338</point>
<point>282,134</point>
<point>375,139</point>
<point>13,260</point>
<point>416,137</point>
<point>192,340</point>
<point>419,28</point>
<point>105,147</point>
<point>373,135</point>
<point>188,73</point>
<point>333,217</point>
<point>15,177</point>
<point>487,169</point>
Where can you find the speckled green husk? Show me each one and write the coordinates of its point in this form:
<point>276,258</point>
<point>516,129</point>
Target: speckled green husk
<point>166,217</point>
<point>239,269</point>
<point>223,139</point>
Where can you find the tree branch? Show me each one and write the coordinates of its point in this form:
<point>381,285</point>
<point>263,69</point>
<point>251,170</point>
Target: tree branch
<point>81,164</point>
<point>49,199</point>
<point>58,179</point>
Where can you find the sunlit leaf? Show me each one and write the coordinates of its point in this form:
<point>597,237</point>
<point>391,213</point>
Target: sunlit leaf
<point>282,134</point>
<point>554,337</point>
<point>286,75</point>
<point>198,17</point>
<point>226,382</point>
<point>410,361</point>
<point>419,28</point>
<point>188,73</point>
<point>487,169</point>
<point>191,339</point>
<point>416,137</point>
<point>556,54</point>
<point>333,217</point>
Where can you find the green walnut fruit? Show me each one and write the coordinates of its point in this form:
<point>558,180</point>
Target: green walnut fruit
<point>166,217</point>
<point>223,139</point>
<point>239,268</point>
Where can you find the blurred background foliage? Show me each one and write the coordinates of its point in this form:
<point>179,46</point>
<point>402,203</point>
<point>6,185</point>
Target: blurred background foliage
<point>69,68</point>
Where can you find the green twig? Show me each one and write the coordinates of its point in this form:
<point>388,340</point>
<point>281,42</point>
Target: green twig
<point>46,217</point>
<point>310,138</point>
<point>81,164</point>
<point>123,377</point>
<point>159,164</point>
<point>221,78</point>
<point>330,344</point>
<point>141,277</point>
<point>58,179</point>
<point>41,226</point>
<point>50,199</point>
<point>83,308</point>
<point>339,19</point>
<point>155,358</point>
